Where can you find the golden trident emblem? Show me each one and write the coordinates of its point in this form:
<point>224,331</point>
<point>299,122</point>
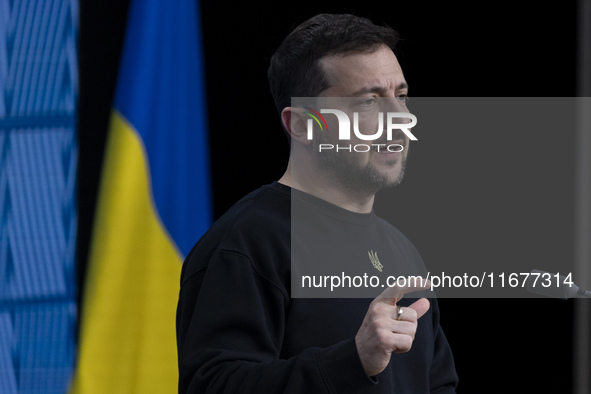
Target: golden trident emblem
<point>373,256</point>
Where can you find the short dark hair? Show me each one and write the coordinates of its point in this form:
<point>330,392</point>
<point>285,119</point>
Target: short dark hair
<point>295,69</point>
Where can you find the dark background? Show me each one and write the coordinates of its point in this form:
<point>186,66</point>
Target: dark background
<point>478,49</point>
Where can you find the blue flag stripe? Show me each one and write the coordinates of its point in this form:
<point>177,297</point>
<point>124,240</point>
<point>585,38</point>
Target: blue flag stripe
<point>161,94</point>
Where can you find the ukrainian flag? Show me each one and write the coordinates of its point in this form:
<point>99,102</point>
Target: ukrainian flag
<point>153,205</point>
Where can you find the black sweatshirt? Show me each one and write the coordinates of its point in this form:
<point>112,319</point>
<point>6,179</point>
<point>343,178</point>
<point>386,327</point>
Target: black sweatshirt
<point>240,331</point>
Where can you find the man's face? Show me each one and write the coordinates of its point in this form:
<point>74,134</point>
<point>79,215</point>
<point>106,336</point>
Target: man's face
<point>377,83</point>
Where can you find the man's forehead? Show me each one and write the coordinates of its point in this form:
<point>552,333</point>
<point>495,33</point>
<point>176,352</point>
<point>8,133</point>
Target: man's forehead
<point>358,72</point>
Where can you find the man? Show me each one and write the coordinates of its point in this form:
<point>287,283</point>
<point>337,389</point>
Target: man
<point>239,329</point>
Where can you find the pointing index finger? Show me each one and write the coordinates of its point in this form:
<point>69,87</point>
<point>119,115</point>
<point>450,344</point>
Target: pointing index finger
<point>395,293</point>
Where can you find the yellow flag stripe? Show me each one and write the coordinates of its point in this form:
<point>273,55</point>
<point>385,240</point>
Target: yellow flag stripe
<point>127,337</point>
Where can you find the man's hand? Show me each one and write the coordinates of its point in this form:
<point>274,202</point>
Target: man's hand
<point>381,334</point>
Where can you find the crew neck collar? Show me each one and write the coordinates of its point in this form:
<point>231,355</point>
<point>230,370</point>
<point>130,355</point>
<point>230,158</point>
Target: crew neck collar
<point>324,207</point>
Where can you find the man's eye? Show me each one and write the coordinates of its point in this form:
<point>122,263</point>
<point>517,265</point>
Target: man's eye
<point>367,103</point>
<point>403,98</point>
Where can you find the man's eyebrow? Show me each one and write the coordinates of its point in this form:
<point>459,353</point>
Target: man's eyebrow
<point>377,89</point>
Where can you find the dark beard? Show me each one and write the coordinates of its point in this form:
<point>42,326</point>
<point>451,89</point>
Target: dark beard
<point>347,174</point>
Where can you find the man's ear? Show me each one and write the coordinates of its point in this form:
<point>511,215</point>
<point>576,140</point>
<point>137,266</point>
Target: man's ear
<point>294,122</point>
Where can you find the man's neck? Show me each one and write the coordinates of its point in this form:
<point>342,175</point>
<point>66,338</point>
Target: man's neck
<point>327,191</point>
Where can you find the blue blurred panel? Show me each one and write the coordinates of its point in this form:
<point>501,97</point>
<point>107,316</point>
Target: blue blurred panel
<point>8,376</point>
<point>38,214</point>
<point>37,265</point>
<point>44,347</point>
<point>38,57</point>
<point>37,348</point>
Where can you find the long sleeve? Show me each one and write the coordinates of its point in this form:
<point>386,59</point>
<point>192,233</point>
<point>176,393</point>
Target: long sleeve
<point>230,325</point>
<point>240,329</point>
